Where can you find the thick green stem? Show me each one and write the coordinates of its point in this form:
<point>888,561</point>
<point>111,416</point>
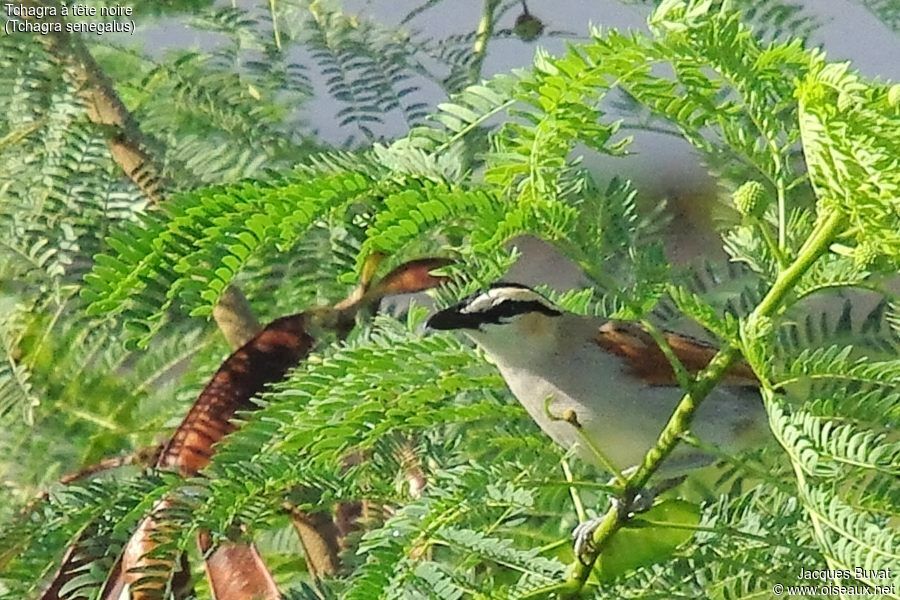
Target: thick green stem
<point>679,423</point>
<point>275,32</point>
<point>482,35</point>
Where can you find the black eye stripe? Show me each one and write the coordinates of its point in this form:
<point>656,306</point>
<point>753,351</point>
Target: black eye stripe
<point>511,308</point>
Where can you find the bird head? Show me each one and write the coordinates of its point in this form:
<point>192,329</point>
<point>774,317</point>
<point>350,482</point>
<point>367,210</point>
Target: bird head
<point>506,318</point>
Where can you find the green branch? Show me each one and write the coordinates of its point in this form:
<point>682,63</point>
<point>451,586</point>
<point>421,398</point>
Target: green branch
<point>482,35</point>
<point>679,423</point>
<point>275,32</point>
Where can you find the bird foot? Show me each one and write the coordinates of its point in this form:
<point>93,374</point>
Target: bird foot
<point>583,534</point>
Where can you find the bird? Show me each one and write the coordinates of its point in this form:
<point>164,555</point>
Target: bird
<point>604,383</point>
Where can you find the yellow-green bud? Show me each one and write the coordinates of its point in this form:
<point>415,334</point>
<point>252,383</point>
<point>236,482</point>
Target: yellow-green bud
<point>758,327</point>
<point>750,199</point>
<point>865,255</point>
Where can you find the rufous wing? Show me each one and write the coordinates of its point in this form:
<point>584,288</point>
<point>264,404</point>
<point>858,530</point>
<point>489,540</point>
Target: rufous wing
<point>646,361</point>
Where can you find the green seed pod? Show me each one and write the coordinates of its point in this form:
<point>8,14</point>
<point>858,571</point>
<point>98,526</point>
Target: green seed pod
<point>528,27</point>
<point>750,199</point>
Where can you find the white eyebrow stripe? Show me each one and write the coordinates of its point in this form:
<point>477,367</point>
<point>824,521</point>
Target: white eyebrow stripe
<point>484,302</point>
<point>480,304</point>
<point>519,294</point>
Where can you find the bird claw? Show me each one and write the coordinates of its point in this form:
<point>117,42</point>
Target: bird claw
<point>583,533</point>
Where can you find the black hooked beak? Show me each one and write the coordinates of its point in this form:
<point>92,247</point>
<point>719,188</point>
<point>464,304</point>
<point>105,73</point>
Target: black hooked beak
<point>452,318</point>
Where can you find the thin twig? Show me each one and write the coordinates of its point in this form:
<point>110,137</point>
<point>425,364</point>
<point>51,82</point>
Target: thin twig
<point>570,417</point>
<point>573,492</point>
<point>234,316</point>
<point>14,137</point>
<point>142,456</point>
<point>684,379</point>
<point>775,248</point>
<point>128,145</point>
